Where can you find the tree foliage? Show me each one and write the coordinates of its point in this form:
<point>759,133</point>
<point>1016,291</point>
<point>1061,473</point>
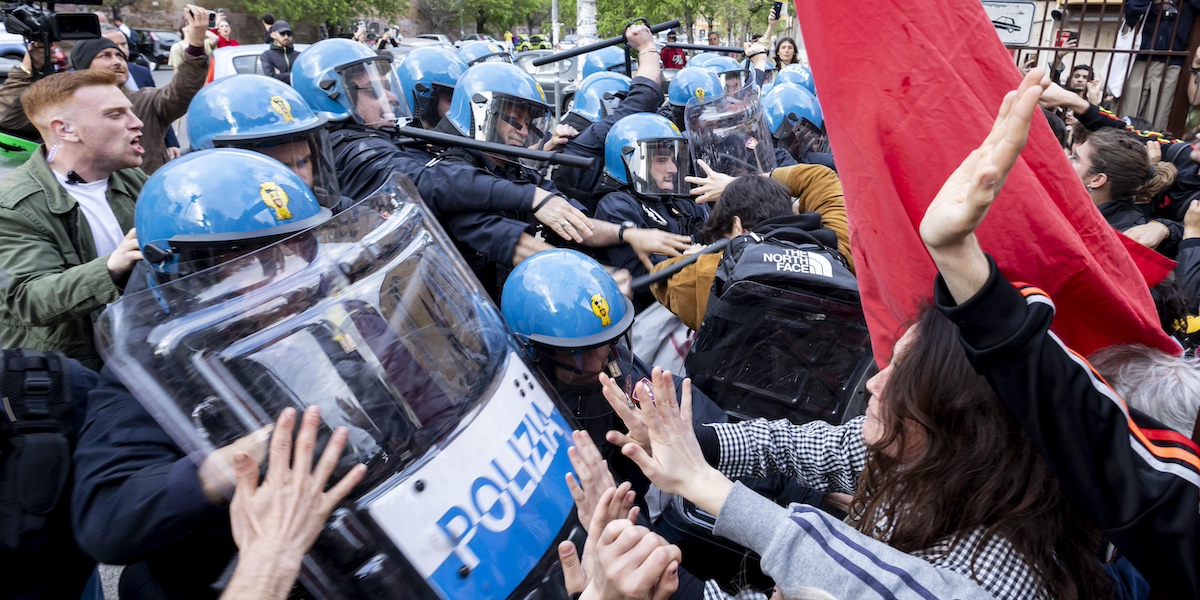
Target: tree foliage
<point>115,6</point>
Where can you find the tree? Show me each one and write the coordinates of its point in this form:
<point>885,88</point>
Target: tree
<point>116,5</point>
<point>440,13</point>
<point>326,11</point>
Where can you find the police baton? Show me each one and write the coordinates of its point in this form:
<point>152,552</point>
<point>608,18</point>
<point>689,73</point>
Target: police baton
<point>646,281</point>
<point>703,48</point>
<point>612,41</point>
<point>457,141</point>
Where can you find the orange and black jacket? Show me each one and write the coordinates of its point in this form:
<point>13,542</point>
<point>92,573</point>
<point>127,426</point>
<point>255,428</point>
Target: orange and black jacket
<point>1137,480</point>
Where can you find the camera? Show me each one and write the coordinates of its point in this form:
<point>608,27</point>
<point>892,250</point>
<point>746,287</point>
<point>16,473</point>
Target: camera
<point>37,23</point>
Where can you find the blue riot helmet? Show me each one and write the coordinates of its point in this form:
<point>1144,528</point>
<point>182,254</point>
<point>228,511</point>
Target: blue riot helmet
<point>734,76</point>
<point>564,299</point>
<point>599,94</point>
<point>648,153</point>
<point>799,75</point>
<point>795,119</point>
<point>473,53</point>
<point>267,116</point>
<point>702,59</point>
<point>343,79</point>
<point>501,103</point>
<point>611,58</point>
<point>209,206</point>
<point>428,76</point>
<point>693,82</point>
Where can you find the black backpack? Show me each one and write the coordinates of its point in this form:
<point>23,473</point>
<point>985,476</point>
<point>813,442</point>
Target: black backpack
<point>36,440</point>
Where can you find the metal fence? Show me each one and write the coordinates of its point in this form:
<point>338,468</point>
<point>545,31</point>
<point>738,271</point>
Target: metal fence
<point>1155,83</point>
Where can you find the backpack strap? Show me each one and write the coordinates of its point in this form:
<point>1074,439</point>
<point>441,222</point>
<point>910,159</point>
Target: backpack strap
<point>37,458</point>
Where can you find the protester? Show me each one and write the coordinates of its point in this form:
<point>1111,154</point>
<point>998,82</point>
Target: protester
<point>1124,472</point>
<point>673,58</point>
<point>66,215</point>
<point>267,20</point>
<point>785,53</point>
<point>224,32</point>
<point>275,523</point>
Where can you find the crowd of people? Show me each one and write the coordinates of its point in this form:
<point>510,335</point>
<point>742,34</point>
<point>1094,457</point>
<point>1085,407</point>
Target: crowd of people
<point>990,461</point>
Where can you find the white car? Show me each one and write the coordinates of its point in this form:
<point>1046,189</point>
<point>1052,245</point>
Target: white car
<point>241,60</point>
<point>436,37</point>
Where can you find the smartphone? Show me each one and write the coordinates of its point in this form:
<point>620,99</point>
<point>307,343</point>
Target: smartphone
<point>212,19</point>
<point>1065,36</point>
<point>777,10</point>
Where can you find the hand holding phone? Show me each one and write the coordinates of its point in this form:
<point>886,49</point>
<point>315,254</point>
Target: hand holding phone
<point>776,11</point>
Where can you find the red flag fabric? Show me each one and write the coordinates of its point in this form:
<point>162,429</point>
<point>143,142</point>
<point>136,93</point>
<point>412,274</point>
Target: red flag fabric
<point>908,90</point>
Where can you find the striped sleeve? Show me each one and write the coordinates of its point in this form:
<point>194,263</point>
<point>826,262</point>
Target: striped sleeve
<point>1137,480</point>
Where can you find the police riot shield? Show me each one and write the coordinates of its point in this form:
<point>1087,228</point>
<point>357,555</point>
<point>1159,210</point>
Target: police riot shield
<point>374,318</point>
<point>730,133</point>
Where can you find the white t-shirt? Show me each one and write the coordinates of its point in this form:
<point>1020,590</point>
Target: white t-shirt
<point>106,232</point>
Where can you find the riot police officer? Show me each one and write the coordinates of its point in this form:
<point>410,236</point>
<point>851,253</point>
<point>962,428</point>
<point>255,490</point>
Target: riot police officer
<point>265,115</point>
<point>139,499</point>
<point>427,77</point>
<point>648,157</point>
<point>599,104</point>
<point>797,124</point>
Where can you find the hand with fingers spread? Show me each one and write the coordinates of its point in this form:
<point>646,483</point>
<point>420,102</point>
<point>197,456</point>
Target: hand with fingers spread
<point>710,187</point>
<point>591,477</point>
<point>561,217</point>
<point>633,563</point>
<point>948,228</point>
<point>646,242</point>
<point>677,465</point>
<point>626,408</point>
<point>609,505</point>
<point>275,523</point>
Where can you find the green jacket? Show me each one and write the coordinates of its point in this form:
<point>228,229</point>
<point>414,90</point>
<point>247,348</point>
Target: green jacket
<point>59,285</point>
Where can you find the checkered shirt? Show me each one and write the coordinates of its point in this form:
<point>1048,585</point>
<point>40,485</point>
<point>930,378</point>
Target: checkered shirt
<point>829,458</point>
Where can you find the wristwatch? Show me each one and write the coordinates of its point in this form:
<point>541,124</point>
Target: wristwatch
<point>621,232</point>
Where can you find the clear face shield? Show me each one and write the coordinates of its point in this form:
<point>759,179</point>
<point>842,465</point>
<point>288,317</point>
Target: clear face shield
<point>511,121</point>
<point>735,81</point>
<point>374,94</point>
<point>308,155</point>
<point>373,317</point>
<point>802,138</point>
<point>431,108</point>
<point>494,58</point>
<point>730,133</point>
<point>657,166</point>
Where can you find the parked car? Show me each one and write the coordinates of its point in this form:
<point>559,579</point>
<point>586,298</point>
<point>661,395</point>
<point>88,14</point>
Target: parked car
<point>475,37</point>
<point>7,65</point>
<point>156,46</point>
<point>533,42</point>
<point>565,72</point>
<point>437,37</point>
<point>240,60</point>
<point>567,42</point>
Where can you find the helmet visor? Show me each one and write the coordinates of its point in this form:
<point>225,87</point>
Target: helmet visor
<point>802,138</point>
<point>657,167</point>
<point>307,154</point>
<point>735,81</point>
<point>374,93</point>
<point>514,121</point>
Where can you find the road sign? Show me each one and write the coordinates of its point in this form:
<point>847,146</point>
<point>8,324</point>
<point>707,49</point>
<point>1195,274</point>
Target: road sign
<point>1013,20</point>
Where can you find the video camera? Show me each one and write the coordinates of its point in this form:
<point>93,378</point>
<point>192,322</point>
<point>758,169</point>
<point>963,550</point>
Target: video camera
<point>38,23</point>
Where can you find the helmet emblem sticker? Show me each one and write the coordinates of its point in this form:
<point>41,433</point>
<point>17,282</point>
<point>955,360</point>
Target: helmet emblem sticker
<point>700,93</point>
<point>277,199</point>
<point>600,308</point>
<point>281,106</point>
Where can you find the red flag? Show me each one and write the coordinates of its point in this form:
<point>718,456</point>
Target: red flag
<point>908,90</point>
